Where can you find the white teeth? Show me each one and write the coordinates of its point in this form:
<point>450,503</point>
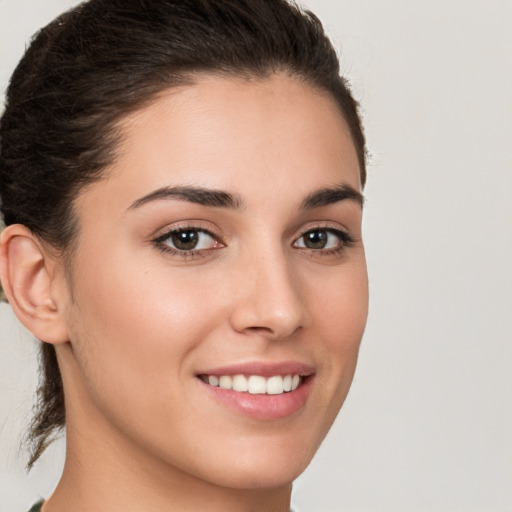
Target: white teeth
<point>287,383</point>
<point>240,383</point>
<point>255,384</point>
<point>225,382</point>
<point>275,385</point>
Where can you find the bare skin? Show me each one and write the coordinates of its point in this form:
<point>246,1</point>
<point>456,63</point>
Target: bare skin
<point>277,277</point>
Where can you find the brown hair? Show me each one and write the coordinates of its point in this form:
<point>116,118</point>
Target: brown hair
<point>100,61</point>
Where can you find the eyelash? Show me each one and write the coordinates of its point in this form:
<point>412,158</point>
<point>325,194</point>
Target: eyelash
<point>345,238</point>
<point>159,242</point>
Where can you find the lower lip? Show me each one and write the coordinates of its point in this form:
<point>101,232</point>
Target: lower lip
<point>263,407</point>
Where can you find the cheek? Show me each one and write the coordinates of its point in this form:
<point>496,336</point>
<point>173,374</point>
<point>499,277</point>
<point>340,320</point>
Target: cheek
<point>339,307</point>
<point>146,313</point>
<point>135,327</point>
<point>136,333</point>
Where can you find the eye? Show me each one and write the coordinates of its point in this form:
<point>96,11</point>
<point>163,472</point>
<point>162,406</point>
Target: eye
<point>324,239</point>
<point>187,241</point>
<point>190,239</point>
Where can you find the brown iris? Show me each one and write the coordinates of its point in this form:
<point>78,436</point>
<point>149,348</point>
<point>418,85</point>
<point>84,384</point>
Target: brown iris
<point>315,239</point>
<point>185,240</point>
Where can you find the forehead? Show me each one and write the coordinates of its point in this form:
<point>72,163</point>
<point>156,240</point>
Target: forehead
<point>245,135</point>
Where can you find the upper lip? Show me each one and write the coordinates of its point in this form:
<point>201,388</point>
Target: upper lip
<point>263,368</point>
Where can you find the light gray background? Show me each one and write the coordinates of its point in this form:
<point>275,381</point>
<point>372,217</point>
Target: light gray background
<point>427,426</point>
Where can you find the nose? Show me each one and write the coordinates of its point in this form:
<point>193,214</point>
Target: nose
<point>268,299</point>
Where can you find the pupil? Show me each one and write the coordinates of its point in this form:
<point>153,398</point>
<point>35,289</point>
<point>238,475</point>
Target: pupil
<point>315,239</point>
<point>185,240</point>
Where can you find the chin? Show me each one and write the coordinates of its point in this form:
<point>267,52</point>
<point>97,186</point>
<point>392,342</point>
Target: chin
<point>266,466</point>
<point>257,477</point>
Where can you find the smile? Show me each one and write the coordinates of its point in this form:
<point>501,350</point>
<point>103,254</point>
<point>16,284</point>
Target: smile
<point>260,390</point>
<point>255,384</point>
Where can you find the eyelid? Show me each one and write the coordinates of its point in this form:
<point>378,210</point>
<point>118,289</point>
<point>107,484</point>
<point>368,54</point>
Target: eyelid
<point>344,234</point>
<point>193,225</point>
<point>346,239</point>
<point>159,239</point>
<point>325,225</point>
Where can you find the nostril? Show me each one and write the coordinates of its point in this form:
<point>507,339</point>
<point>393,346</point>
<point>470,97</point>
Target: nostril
<point>269,332</point>
<point>257,329</point>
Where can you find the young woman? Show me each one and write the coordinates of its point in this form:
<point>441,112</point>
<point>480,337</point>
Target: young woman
<point>181,182</point>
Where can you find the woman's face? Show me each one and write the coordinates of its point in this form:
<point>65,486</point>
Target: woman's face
<point>223,248</point>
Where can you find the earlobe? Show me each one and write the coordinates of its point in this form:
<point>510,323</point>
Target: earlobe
<point>27,272</point>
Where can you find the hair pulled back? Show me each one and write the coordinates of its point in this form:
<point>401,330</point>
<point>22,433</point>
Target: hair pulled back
<point>104,59</point>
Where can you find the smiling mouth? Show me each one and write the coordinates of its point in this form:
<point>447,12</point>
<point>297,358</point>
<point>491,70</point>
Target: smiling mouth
<point>255,384</point>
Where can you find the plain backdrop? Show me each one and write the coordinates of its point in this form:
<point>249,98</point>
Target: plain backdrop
<point>427,426</point>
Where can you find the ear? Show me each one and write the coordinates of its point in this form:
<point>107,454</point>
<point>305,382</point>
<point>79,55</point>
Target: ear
<point>33,284</point>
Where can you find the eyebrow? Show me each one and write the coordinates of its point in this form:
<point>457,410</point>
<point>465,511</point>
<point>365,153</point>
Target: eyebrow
<point>331,195</point>
<point>202,196</point>
<point>221,199</point>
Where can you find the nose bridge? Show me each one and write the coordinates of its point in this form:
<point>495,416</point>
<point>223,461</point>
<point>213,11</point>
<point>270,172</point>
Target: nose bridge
<point>269,299</point>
